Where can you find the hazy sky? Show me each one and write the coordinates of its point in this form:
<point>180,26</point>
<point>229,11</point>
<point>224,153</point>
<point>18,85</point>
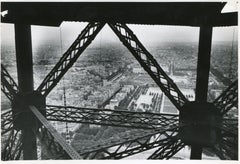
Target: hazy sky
<point>147,34</point>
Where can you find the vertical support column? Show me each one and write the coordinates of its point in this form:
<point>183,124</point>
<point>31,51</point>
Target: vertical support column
<point>203,67</point>
<point>23,45</point>
<point>196,152</point>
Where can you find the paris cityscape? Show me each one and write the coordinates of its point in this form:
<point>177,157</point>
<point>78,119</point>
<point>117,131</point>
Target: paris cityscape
<point>108,76</point>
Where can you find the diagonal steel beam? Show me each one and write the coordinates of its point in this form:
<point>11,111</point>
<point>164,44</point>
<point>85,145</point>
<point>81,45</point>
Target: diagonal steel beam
<point>227,148</point>
<point>227,143</point>
<point>9,86</point>
<point>12,149</point>
<point>229,126</point>
<point>168,149</point>
<point>6,122</point>
<point>109,117</point>
<point>150,65</point>
<point>129,145</point>
<point>54,137</point>
<point>228,100</point>
<point>69,57</point>
<point>50,148</point>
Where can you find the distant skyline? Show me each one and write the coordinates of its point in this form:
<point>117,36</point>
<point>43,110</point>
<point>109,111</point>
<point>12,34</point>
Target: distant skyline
<point>147,34</point>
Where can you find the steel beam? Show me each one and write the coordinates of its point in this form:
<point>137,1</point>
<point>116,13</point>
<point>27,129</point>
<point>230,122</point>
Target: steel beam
<point>171,13</point>
<point>69,57</point>
<point>50,148</point>
<point>12,149</point>
<point>150,65</point>
<point>10,89</point>
<point>8,85</point>
<point>23,42</point>
<point>203,64</point>
<point>25,82</point>
<point>168,149</point>
<point>6,122</point>
<point>129,145</point>
<point>203,67</point>
<point>55,136</point>
<point>140,120</point>
<point>228,100</point>
<point>226,147</point>
<point>196,152</point>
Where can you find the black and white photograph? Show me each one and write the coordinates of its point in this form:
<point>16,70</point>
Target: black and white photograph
<point>130,80</point>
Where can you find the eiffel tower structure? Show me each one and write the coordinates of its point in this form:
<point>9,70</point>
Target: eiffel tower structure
<point>200,124</point>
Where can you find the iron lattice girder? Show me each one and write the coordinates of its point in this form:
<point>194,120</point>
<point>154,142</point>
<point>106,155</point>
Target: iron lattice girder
<point>227,147</point>
<point>12,149</point>
<point>69,57</point>
<point>50,146</point>
<point>6,122</point>
<point>110,117</point>
<point>227,143</point>
<point>130,145</point>
<point>228,99</point>
<point>148,62</point>
<point>229,126</point>
<point>9,86</point>
<point>53,136</point>
<point>168,149</point>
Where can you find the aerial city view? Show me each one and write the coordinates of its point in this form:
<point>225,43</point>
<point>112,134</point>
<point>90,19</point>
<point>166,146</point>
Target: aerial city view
<point>108,76</point>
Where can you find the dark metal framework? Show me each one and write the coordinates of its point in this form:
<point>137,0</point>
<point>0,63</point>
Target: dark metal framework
<point>13,147</point>
<point>109,117</point>
<point>54,134</point>
<point>130,145</point>
<point>9,86</point>
<point>160,130</point>
<point>153,13</point>
<point>228,100</point>
<point>227,146</point>
<point>150,65</point>
<point>51,148</point>
<point>6,122</point>
<point>69,57</point>
<point>167,150</point>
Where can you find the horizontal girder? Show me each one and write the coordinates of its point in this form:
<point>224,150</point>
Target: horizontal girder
<point>109,117</point>
<point>130,145</point>
<point>160,13</point>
